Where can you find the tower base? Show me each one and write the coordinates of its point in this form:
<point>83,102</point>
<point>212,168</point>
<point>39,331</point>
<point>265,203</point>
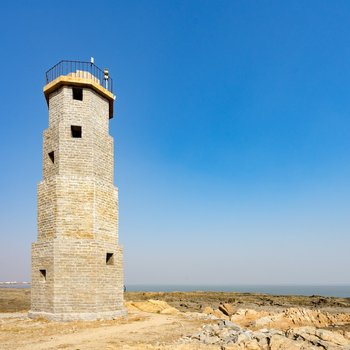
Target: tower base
<point>82,316</point>
<point>77,279</point>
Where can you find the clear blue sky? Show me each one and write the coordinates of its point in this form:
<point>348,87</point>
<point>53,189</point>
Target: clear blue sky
<point>232,133</point>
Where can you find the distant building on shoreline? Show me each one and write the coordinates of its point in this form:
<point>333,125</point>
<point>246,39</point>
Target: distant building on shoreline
<point>77,263</point>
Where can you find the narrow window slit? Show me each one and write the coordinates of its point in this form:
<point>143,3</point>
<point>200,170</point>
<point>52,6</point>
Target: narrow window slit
<point>75,131</point>
<point>52,156</point>
<point>110,259</point>
<point>43,275</point>
<point>77,94</point>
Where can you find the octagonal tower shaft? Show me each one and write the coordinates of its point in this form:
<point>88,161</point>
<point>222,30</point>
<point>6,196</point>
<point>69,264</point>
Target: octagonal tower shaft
<point>77,263</point>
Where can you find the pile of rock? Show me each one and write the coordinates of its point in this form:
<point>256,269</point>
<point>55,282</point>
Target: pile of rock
<point>230,336</point>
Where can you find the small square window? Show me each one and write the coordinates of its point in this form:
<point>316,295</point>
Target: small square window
<point>110,259</point>
<point>77,93</point>
<point>43,275</point>
<point>52,156</point>
<point>75,131</point>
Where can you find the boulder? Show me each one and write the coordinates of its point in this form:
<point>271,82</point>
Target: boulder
<point>245,317</point>
<point>231,325</point>
<point>243,337</point>
<point>280,342</point>
<point>266,321</point>
<point>319,337</point>
<point>332,337</point>
<point>227,309</point>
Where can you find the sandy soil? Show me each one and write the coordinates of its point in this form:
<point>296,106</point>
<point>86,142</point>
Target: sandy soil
<point>141,330</point>
<point>138,331</point>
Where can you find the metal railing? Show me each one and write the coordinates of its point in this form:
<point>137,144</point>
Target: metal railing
<point>80,69</point>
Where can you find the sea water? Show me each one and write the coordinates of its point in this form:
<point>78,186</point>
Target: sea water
<point>342,291</point>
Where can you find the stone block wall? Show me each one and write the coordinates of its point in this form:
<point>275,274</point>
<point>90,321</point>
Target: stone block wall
<point>77,263</point>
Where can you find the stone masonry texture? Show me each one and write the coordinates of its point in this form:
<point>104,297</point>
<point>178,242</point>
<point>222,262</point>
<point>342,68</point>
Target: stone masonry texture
<point>77,263</point>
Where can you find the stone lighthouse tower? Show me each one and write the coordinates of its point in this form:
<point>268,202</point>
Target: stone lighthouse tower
<point>77,263</point>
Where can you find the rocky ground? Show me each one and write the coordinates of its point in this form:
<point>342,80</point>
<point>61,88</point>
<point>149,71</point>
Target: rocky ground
<point>185,321</point>
<point>197,301</point>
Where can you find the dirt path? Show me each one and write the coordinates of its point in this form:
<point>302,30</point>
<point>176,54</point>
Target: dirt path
<point>140,331</point>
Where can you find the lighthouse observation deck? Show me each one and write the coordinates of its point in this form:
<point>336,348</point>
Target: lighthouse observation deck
<point>80,69</point>
<point>81,74</point>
